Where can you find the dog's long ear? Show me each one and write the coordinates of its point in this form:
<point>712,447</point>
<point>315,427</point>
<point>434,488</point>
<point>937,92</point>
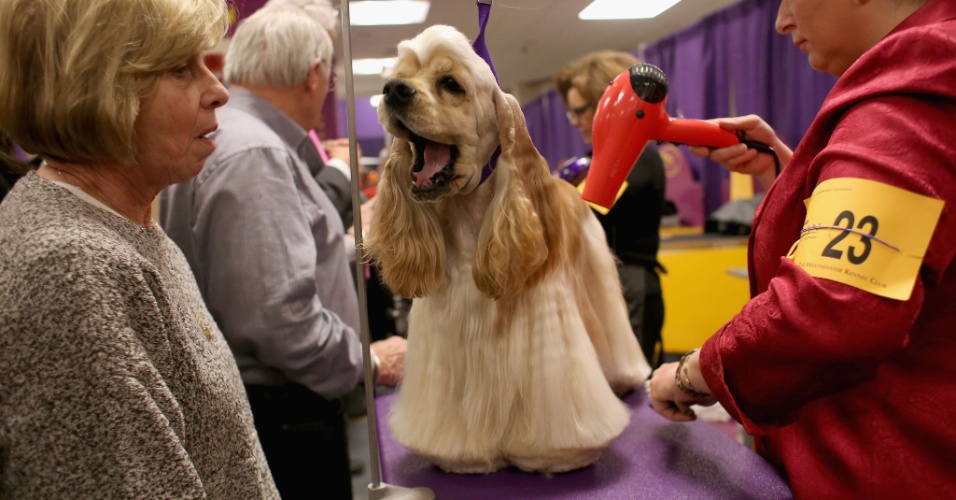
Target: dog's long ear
<point>405,240</point>
<point>512,244</point>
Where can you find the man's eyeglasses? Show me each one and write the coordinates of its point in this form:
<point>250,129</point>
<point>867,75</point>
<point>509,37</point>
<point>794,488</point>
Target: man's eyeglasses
<point>575,114</point>
<point>320,64</point>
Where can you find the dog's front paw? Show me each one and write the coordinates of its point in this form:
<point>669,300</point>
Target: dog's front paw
<point>557,461</point>
<point>469,466</point>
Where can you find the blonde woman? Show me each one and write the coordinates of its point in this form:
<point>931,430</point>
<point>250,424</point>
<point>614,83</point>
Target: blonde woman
<point>114,380</point>
<point>632,225</point>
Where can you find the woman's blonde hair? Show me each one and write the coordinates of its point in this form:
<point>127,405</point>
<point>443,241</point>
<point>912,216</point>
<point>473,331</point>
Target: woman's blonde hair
<point>73,72</point>
<point>592,73</point>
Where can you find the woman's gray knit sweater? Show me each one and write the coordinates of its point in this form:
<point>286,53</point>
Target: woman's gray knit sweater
<point>109,387</point>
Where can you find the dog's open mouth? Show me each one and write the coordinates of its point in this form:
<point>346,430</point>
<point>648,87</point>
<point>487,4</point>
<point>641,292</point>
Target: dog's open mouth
<point>434,162</point>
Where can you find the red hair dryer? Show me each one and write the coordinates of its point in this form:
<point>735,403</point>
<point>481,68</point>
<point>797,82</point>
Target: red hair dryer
<point>631,113</point>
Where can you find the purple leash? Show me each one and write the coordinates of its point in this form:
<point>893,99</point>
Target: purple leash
<point>484,11</point>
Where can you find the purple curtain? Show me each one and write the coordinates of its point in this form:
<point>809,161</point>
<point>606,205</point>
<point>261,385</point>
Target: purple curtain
<point>550,130</point>
<point>687,58</point>
<point>765,74</point>
<point>731,63</point>
<point>368,132</point>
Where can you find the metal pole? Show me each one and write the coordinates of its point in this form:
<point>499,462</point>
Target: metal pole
<point>377,489</point>
<point>374,456</point>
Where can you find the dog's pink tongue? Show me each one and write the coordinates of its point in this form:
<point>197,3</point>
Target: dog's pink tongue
<point>436,157</point>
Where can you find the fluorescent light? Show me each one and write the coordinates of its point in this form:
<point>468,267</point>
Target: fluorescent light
<point>377,13</point>
<point>625,9</point>
<point>372,66</point>
<point>375,99</point>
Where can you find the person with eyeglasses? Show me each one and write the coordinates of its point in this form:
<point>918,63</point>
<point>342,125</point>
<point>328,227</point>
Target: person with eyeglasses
<point>632,225</point>
<point>331,168</point>
<point>268,250</point>
<point>330,161</point>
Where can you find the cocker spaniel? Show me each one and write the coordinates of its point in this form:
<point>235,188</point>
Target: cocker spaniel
<point>518,336</point>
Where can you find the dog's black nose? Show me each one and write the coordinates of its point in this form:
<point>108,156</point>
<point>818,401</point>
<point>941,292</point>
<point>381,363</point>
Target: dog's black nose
<point>398,92</point>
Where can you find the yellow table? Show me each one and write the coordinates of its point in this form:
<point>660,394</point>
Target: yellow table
<point>703,288</point>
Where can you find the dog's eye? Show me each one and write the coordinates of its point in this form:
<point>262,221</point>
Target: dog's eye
<point>449,83</point>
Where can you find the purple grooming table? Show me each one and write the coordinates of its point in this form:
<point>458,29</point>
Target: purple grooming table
<point>654,458</point>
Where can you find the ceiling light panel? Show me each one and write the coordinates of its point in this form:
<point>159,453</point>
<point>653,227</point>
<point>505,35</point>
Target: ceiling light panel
<point>373,66</point>
<point>386,12</point>
<point>625,9</point>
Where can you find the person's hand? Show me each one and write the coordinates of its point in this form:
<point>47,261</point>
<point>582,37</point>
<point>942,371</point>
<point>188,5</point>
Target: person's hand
<point>391,357</point>
<point>670,401</point>
<point>664,395</point>
<point>339,148</point>
<point>741,159</point>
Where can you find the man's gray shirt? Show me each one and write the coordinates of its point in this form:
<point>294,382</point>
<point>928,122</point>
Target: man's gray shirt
<point>266,246</point>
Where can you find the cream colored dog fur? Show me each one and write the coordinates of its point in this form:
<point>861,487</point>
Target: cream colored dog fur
<point>518,335</point>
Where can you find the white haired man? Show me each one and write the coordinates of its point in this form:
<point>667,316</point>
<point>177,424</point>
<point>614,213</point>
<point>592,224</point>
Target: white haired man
<point>330,161</point>
<point>267,248</point>
<point>321,10</point>
<point>333,173</point>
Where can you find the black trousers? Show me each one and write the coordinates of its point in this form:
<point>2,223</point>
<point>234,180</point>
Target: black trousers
<point>305,441</point>
<point>645,307</point>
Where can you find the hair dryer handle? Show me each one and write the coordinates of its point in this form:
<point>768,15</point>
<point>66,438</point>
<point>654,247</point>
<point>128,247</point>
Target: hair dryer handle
<point>697,133</point>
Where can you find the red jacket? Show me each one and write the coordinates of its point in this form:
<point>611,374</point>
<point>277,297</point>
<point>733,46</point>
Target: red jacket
<point>850,393</point>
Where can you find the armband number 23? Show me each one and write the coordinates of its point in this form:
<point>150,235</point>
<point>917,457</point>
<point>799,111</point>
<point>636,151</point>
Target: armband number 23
<point>847,219</point>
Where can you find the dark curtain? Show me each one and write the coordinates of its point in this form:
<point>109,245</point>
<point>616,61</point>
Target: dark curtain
<point>731,63</point>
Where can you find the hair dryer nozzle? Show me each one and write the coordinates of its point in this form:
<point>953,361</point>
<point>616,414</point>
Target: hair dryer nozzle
<point>649,83</point>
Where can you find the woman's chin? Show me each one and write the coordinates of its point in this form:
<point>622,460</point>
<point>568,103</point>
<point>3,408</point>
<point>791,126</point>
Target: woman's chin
<point>184,173</point>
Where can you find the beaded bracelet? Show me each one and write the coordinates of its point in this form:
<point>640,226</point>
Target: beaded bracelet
<point>682,378</point>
